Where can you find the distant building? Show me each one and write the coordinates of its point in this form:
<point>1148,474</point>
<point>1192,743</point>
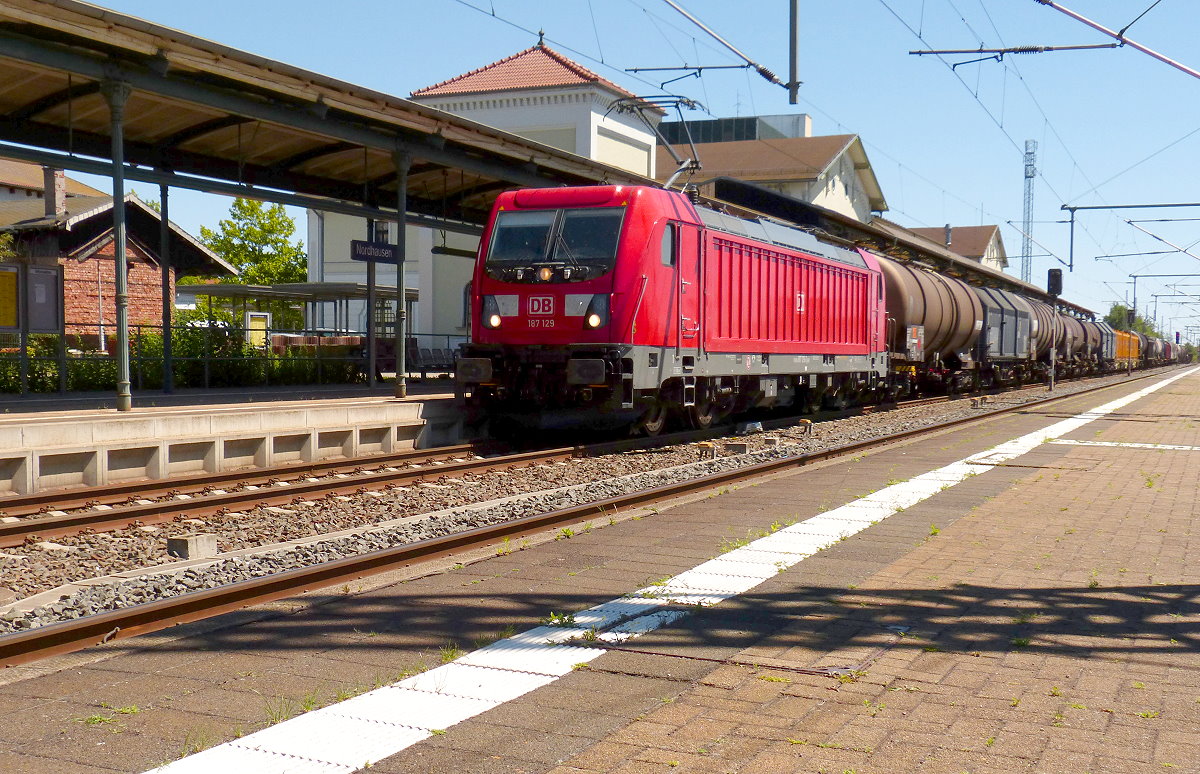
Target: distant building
<point>833,172</point>
<point>979,243</point>
<point>538,94</point>
<point>65,270</point>
<point>546,97</point>
<point>775,127</point>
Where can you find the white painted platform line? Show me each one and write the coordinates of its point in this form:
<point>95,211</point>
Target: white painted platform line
<point>349,735</point>
<point>1120,445</point>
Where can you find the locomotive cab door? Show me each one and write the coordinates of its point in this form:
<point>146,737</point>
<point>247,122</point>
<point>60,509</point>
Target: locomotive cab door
<point>690,295</point>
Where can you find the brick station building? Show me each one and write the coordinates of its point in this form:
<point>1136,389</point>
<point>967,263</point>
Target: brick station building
<point>72,228</point>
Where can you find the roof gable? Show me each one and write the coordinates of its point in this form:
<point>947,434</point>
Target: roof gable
<point>773,160</point>
<point>536,67</point>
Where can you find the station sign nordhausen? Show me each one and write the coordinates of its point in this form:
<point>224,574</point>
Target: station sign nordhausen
<point>379,252</point>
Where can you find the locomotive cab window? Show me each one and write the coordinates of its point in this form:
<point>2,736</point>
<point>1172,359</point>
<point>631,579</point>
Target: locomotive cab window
<point>554,245</point>
<point>668,245</point>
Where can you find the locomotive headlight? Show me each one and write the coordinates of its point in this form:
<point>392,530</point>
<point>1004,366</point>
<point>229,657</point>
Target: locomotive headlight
<point>597,312</point>
<point>491,312</point>
<point>545,273</point>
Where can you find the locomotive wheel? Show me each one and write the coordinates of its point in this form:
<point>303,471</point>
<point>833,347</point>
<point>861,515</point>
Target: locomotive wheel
<point>655,420</point>
<point>702,415</point>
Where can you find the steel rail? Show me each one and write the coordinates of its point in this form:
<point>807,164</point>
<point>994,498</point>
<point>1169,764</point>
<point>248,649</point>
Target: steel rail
<point>200,503</point>
<point>160,511</point>
<point>68,636</point>
<point>78,497</point>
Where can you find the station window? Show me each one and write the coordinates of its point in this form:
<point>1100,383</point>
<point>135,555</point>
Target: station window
<point>668,245</point>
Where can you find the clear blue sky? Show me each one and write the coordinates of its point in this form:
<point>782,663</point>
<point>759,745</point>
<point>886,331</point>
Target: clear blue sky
<point>1114,126</point>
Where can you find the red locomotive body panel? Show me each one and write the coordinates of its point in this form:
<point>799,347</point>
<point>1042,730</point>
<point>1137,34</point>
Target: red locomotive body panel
<point>765,298</point>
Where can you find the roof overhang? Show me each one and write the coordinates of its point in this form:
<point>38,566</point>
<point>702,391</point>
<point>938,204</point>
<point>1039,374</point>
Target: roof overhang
<point>203,115</point>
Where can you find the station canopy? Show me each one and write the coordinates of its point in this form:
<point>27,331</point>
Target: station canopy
<point>205,116</point>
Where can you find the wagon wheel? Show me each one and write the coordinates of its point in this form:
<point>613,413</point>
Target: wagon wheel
<point>703,414</point>
<point>655,420</point>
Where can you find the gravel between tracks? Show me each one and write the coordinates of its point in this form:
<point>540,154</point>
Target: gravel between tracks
<point>452,504</point>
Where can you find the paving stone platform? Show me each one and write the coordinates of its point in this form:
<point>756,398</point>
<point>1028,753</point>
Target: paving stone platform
<point>1038,617</point>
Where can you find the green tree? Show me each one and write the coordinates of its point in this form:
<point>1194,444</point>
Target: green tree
<point>1118,318</point>
<point>256,238</point>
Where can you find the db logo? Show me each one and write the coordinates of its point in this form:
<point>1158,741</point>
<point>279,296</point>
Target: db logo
<point>541,305</point>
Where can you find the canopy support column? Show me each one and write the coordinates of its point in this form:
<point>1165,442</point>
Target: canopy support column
<point>116,93</point>
<point>168,296</point>
<point>403,162</point>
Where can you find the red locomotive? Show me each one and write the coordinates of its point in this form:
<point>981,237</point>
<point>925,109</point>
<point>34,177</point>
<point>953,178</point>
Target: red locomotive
<point>619,305</point>
<point>628,306</point>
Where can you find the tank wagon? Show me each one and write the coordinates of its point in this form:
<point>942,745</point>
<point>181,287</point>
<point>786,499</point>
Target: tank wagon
<point>612,306</point>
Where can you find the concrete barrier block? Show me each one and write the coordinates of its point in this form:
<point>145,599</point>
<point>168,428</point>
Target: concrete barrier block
<point>195,546</point>
<point>737,447</point>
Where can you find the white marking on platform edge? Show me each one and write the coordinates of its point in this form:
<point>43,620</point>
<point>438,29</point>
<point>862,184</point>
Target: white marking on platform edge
<point>352,734</point>
<point>1119,445</point>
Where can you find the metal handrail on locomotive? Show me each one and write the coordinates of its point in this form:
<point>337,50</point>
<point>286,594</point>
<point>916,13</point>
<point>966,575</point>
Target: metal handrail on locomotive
<point>611,306</point>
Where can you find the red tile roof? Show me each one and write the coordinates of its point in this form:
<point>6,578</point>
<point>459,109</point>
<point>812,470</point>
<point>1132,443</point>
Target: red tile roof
<point>967,241</point>
<point>534,68</point>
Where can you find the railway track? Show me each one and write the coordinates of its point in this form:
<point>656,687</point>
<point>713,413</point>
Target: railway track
<point>68,636</point>
<point>146,503</point>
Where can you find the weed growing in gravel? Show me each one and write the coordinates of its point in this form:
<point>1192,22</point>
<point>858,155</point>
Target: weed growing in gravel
<point>774,679</point>
<point>310,701</point>
<point>934,530</point>
<point>505,548</point>
<point>96,720</point>
<point>195,741</point>
<point>873,708</point>
<point>1014,702</point>
<point>1020,642</point>
<point>449,652</point>
<point>566,533</point>
<point>1149,714</point>
<point>132,709</point>
<point>562,620</point>
<point>1055,690</point>
<point>483,640</point>
<point>279,709</point>
<point>729,544</point>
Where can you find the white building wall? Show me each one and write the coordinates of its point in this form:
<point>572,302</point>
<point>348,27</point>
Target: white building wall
<point>570,119</point>
<point>839,188</point>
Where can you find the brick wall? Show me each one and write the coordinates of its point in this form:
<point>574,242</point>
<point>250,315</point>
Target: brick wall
<point>82,290</point>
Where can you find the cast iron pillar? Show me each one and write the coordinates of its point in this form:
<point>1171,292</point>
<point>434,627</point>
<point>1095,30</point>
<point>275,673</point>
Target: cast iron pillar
<point>403,161</point>
<point>168,298</point>
<point>116,93</point>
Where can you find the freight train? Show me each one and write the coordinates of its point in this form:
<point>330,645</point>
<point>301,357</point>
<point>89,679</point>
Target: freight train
<point>613,306</point>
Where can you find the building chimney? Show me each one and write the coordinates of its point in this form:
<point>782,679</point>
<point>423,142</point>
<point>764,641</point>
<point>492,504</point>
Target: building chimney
<point>948,235</point>
<point>54,192</point>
